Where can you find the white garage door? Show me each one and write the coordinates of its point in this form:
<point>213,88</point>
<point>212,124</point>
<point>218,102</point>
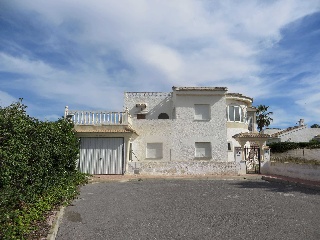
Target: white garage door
<point>101,155</point>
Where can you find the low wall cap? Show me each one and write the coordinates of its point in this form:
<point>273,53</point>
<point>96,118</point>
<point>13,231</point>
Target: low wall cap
<point>240,96</point>
<point>199,88</point>
<point>251,135</point>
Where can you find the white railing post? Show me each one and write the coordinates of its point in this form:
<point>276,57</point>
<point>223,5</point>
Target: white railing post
<point>119,121</point>
<point>66,112</point>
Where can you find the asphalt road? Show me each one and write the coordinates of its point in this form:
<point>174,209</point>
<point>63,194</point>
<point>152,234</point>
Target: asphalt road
<point>192,209</point>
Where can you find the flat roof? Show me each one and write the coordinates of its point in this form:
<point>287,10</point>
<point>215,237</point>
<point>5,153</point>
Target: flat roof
<point>199,88</point>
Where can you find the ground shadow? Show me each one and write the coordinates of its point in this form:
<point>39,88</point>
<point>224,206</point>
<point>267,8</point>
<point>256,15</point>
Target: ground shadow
<point>275,186</point>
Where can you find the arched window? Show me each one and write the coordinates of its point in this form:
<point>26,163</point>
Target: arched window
<point>235,113</point>
<point>163,116</point>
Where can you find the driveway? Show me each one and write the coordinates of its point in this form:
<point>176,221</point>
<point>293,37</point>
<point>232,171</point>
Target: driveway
<point>192,209</point>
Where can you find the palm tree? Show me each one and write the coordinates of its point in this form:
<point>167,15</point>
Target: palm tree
<point>263,117</point>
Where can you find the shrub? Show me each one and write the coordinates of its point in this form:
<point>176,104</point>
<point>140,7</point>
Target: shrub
<point>37,169</point>
<point>280,147</point>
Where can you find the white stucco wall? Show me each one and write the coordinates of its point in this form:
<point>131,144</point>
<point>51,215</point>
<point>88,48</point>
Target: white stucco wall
<point>188,131</point>
<point>152,131</point>
<point>235,128</point>
<point>179,135</point>
<point>301,171</point>
<point>157,103</point>
<point>300,135</point>
<point>231,132</point>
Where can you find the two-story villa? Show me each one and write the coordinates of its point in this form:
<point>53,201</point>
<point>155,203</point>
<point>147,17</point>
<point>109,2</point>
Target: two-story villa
<point>187,131</point>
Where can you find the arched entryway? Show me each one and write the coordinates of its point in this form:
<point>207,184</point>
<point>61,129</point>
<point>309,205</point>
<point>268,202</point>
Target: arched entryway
<point>252,154</point>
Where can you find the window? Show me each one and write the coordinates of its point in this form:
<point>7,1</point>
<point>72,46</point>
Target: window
<point>130,152</point>
<point>235,114</point>
<point>154,150</point>
<point>230,146</point>
<point>203,150</point>
<point>163,116</point>
<point>202,112</point>
<point>141,116</point>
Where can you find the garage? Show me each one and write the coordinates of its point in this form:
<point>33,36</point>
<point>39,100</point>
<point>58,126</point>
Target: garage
<point>100,155</point>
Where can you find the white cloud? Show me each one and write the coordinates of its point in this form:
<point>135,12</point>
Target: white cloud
<point>161,43</point>
<point>308,97</point>
<point>6,99</point>
<point>22,65</point>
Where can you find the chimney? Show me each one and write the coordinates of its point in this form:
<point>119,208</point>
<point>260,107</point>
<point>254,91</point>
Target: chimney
<point>301,122</point>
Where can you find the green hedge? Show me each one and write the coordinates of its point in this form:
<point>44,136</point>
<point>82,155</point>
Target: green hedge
<point>280,147</point>
<point>37,169</point>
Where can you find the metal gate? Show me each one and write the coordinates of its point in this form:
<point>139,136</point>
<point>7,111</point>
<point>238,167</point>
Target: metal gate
<point>252,157</point>
<point>101,155</point>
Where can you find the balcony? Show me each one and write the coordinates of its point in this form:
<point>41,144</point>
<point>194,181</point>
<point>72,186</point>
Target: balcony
<point>100,121</point>
<point>98,117</point>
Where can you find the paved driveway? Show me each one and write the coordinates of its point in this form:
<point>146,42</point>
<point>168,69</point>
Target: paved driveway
<point>192,209</point>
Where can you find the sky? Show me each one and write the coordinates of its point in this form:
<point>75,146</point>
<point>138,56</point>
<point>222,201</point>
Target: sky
<point>86,54</point>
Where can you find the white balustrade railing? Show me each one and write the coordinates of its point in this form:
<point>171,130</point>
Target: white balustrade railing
<point>98,117</point>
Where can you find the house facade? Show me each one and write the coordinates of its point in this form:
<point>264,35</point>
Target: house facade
<point>186,131</point>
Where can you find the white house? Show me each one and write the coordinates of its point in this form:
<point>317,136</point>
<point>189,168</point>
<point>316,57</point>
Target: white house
<point>187,131</point>
<point>298,133</point>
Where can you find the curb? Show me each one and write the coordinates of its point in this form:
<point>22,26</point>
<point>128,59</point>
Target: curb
<point>55,226</point>
<point>129,178</point>
<point>295,183</point>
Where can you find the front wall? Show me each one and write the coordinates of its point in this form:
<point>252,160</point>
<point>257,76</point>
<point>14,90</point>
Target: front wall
<point>301,171</point>
<point>179,136</point>
<point>152,131</point>
<point>184,168</point>
<point>188,131</point>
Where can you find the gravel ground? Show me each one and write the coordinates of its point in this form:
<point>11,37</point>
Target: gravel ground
<point>192,209</point>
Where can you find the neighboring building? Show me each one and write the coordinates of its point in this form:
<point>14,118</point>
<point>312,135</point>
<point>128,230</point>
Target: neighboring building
<point>187,131</point>
<point>300,133</point>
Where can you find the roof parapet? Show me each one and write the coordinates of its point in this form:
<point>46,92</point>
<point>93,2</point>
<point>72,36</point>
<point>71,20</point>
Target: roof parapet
<point>199,88</point>
<point>238,95</point>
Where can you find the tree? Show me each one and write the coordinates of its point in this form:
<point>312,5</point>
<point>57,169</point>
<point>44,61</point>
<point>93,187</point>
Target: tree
<point>315,126</point>
<point>263,117</point>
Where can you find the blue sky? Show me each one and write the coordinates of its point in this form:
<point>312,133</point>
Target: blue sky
<point>85,54</point>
